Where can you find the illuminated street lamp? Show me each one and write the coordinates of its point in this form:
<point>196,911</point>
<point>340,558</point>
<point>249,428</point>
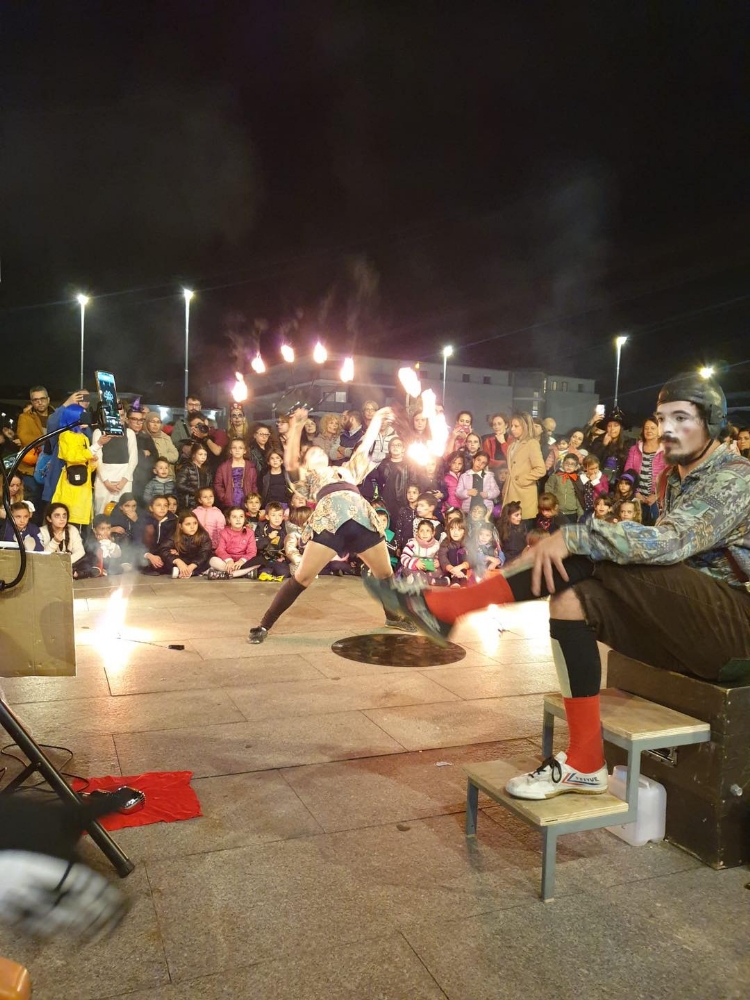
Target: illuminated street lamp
<point>447,353</point>
<point>706,372</point>
<point>188,296</point>
<point>619,341</point>
<point>83,301</point>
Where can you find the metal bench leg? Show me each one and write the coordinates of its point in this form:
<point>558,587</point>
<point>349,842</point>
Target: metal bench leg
<point>472,804</point>
<point>549,860</point>
<point>548,732</point>
<point>634,774</point>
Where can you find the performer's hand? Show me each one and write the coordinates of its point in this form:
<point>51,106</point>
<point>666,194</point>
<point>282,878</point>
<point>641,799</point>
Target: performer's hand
<point>545,557</point>
<point>385,413</point>
<point>299,416</point>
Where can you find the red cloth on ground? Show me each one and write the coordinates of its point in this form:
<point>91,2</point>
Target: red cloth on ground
<point>448,604</point>
<point>169,797</point>
<point>586,749</point>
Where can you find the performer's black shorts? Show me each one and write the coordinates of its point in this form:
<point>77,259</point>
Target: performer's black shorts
<point>351,538</point>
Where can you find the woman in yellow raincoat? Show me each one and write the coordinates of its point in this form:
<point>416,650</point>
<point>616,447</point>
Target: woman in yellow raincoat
<point>74,485</point>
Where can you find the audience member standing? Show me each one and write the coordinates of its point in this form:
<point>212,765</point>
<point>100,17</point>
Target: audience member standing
<point>32,425</point>
<point>118,461</point>
<point>525,466</point>
<point>646,458</point>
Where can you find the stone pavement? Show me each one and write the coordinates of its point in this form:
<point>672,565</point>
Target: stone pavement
<point>330,863</point>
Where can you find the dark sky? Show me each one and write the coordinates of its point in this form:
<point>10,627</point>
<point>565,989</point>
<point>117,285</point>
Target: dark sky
<point>521,180</point>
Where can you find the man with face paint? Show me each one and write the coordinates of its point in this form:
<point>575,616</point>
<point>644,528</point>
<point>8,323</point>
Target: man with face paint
<point>674,594</point>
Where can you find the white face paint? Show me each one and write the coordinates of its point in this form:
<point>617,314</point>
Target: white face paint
<point>682,432</point>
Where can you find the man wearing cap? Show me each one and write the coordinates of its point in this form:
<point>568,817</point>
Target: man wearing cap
<point>674,595</point>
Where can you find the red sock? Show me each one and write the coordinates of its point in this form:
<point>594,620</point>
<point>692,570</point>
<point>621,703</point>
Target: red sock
<point>449,603</point>
<point>586,749</point>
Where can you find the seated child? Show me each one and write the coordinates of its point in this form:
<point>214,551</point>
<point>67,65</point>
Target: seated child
<point>189,551</point>
<point>29,532</point>
<point>127,530</point>
<point>452,556</point>
<point>487,554</point>
<point>404,522</point>
<point>512,530</point>
<point>455,466</point>
<point>209,516</point>
<point>15,493</point>
<point>162,483</point>
<point>59,535</point>
<point>293,544</point>
<point>626,486</point>
<point>628,510</point>
<point>104,551</point>
<point>419,558</point>
<point>253,513</point>
<point>602,509</point>
<point>563,485</point>
<point>591,484</point>
<point>172,503</point>
<point>425,509</point>
<point>390,536</point>
<point>269,536</point>
<point>548,519</point>
<point>236,549</point>
<point>158,529</point>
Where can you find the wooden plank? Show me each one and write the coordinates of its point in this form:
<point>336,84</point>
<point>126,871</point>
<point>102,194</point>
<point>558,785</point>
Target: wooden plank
<point>492,776</point>
<point>633,718</point>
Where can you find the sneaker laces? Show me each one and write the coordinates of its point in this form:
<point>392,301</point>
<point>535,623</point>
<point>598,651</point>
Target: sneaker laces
<point>554,764</point>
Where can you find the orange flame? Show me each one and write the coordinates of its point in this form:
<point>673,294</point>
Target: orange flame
<point>239,390</point>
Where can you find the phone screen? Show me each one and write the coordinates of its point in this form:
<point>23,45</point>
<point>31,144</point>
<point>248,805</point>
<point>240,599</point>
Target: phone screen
<point>109,415</point>
<point>600,410</point>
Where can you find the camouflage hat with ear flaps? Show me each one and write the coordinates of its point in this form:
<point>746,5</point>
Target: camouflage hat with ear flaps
<point>704,392</point>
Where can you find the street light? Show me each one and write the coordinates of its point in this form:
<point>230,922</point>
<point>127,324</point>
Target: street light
<point>706,372</point>
<point>447,353</point>
<point>83,301</point>
<point>188,296</point>
<point>619,341</point>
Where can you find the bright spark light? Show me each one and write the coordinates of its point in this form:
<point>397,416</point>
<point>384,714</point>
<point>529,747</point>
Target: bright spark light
<point>418,453</point>
<point>320,354</point>
<point>440,433</point>
<point>428,404</point>
<point>108,637</point>
<point>258,365</point>
<point>82,300</point>
<point>347,370</point>
<point>410,381</point>
<point>706,372</point>
<point>287,353</point>
<point>239,389</point>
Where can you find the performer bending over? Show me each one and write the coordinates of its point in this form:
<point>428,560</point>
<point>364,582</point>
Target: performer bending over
<point>674,595</point>
<point>342,522</point>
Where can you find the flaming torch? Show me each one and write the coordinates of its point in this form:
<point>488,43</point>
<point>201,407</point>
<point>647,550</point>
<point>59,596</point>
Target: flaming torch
<point>347,370</point>
<point>410,381</point>
<point>239,389</point>
<point>258,365</point>
<point>287,353</point>
<point>320,354</point>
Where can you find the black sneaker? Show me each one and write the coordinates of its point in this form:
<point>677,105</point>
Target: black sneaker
<point>401,625</point>
<point>406,600</point>
<point>257,635</point>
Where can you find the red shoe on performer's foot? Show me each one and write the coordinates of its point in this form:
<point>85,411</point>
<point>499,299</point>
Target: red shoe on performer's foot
<point>406,601</point>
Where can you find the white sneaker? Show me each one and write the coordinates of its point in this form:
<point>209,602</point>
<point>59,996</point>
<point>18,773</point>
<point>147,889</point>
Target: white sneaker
<point>555,777</point>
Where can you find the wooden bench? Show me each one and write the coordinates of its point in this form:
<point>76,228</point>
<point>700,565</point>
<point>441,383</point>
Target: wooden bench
<point>629,722</point>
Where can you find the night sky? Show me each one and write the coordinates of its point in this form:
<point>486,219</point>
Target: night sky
<point>523,181</point>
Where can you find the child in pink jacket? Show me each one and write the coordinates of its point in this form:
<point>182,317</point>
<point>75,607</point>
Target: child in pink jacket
<point>209,517</point>
<point>236,550</point>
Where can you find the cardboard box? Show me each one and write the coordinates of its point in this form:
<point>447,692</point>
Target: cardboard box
<point>37,632</point>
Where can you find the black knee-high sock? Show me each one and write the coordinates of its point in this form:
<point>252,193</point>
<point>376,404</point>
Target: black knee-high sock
<point>576,657</point>
<point>577,567</point>
<point>288,593</point>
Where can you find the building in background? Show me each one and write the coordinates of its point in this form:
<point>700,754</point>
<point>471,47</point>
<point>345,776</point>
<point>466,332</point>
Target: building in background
<point>567,398</point>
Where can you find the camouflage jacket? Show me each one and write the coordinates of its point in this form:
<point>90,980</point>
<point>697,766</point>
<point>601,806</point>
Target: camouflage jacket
<point>706,515</point>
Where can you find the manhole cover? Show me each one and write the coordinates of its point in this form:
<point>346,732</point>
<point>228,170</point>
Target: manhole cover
<point>397,650</point>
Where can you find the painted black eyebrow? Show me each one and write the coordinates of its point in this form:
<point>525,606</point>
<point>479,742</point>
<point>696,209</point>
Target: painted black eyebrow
<point>683,413</point>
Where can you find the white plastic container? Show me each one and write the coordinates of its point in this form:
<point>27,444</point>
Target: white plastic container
<point>652,808</point>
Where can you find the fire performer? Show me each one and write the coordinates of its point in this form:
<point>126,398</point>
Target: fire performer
<point>342,522</point>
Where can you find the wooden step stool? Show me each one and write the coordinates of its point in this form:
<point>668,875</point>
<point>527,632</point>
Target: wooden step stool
<point>15,983</point>
<point>629,722</point>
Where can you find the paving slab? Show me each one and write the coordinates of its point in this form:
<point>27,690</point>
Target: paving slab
<point>90,681</point>
<point>496,680</point>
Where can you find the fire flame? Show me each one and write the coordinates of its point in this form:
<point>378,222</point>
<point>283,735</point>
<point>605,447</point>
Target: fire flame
<point>239,390</point>
<point>347,370</point>
<point>287,353</point>
<point>418,453</point>
<point>410,381</point>
<point>320,354</point>
<point>109,632</point>
<point>440,432</point>
<point>258,365</point>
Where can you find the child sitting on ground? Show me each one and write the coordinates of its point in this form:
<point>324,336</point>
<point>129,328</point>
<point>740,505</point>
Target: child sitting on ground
<point>127,530</point>
<point>628,510</point>
<point>452,557</point>
<point>512,530</point>
<point>102,548</point>
<point>162,483</point>
<point>419,558</point>
<point>236,549</point>
<point>269,536</point>
<point>563,485</point>
<point>172,503</point>
<point>548,519</point>
<point>158,529</point>
<point>485,551</point>
<point>189,552</point>
<point>390,536</point>
<point>209,516</point>
<point>29,532</point>
<point>59,535</point>
<point>602,509</point>
<point>293,544</point>
<point>253,513</point>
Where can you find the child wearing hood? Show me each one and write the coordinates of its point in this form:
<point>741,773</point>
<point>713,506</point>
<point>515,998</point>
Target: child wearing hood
<point>419,560</point>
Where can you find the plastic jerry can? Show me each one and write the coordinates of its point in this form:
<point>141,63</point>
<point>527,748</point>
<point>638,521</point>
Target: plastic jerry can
<point>652,808</point>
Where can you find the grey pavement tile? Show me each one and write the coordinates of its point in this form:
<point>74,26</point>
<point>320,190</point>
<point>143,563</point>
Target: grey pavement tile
<point>254,746</point>
<point>132,958</point>
<point>131,713</point>
<point>119,655</point>
<point>496,680</point>
<point>421,727</point>
<point>324,695</point>
<point>661,938</point>
<point>90,681</point>
<point>351,794</point>
<point>177,672</point>
<point>93,756</point>
<point>238,810</point>
<point>386,969</point>
<point>349,888</point>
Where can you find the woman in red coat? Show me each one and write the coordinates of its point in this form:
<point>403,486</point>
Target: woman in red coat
<point>235,478</point>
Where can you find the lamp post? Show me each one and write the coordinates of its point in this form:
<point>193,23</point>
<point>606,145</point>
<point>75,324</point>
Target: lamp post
<point>82,302</point>
<point>618,343</point>
<point>706,372</point>
<point>447,353</point>
<point>188,296</point>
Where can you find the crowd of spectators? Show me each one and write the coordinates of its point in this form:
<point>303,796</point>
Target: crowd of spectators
<point>194,499</point>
